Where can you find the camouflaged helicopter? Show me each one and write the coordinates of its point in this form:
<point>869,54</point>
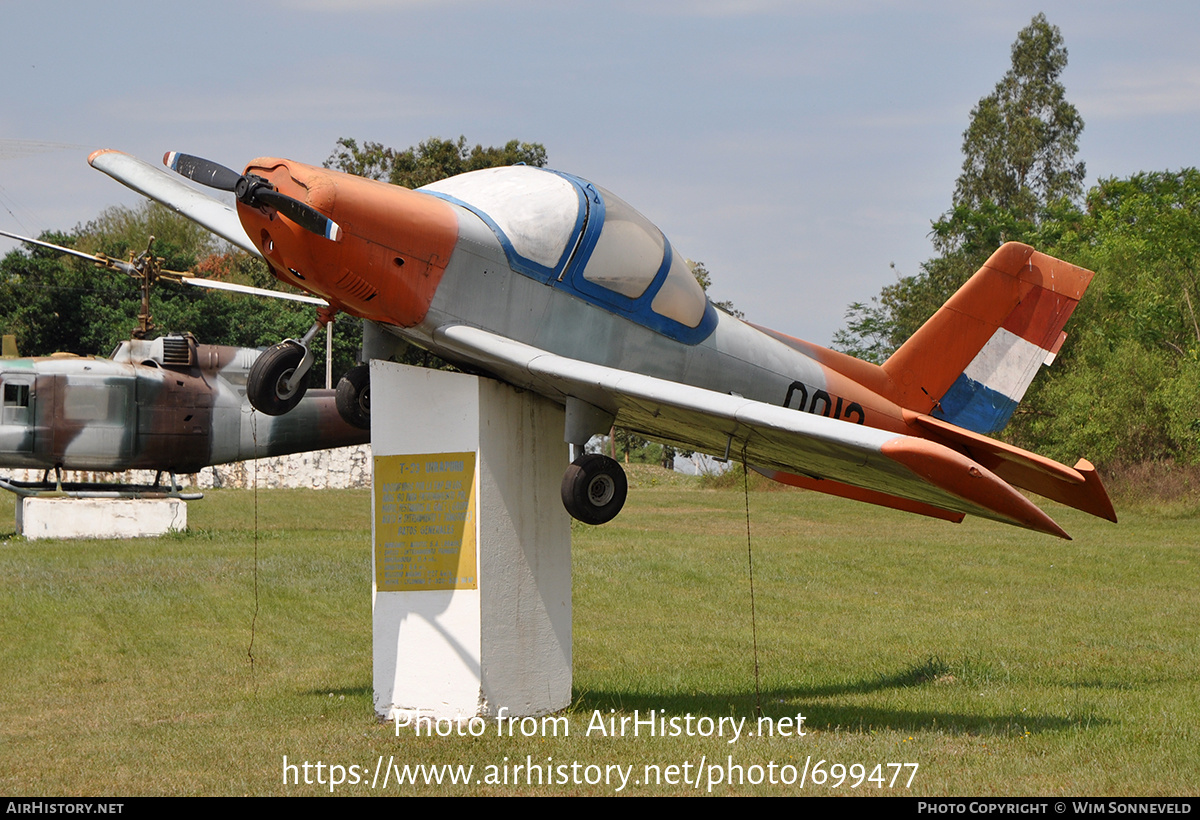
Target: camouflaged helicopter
<point>168,404</point>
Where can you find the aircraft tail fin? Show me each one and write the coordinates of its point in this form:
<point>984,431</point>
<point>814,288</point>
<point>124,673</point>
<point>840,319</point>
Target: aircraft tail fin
<point>971,363</point>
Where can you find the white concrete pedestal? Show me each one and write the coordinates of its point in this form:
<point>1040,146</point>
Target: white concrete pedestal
<point>100,517</point>
<point>468,469</point>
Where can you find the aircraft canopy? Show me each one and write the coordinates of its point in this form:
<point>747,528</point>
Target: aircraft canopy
<point>567,232</point>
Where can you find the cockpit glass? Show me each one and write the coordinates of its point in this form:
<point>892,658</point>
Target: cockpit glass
<point>629,252</point>
<point>680,298</point>
<point>569,233</point>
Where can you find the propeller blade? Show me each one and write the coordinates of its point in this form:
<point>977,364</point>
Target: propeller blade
<point>202,171</point>
<point>253,191</point>
<point>303,215</point>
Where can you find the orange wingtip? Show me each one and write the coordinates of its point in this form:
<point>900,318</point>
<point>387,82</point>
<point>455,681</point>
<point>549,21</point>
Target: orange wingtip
<point>973,483</point>
<point>837,488</point>
<point>92,156</point>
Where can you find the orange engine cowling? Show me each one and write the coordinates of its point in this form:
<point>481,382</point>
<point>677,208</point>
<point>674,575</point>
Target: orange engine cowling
<point>392,250</point>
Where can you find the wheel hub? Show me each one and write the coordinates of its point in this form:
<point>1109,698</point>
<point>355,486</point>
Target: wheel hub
<point>281,386</point>
<point>601,490</point>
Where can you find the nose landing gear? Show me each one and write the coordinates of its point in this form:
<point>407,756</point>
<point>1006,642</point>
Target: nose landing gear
<point>273,385</point>
<point>276,382</point>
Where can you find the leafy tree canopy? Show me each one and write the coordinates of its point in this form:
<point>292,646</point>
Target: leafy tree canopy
<point>429,161</point>
<point>1019,149</point>
<point>1019,181</point>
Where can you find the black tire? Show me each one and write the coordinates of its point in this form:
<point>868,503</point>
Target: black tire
<point>354,397</point>
<point>594,489</point>
<point>266,386</point>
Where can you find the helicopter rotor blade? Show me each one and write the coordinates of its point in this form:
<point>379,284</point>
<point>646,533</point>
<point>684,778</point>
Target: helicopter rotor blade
<point>270,294</point>
<point>116,264</point>
<point>181,277</point>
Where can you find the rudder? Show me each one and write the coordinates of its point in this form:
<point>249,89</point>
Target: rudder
<point>972,361</point>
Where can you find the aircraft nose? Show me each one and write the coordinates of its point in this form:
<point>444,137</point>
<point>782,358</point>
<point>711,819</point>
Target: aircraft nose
<point>393,247</point>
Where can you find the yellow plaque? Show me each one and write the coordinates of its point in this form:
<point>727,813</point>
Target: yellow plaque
<point>425,522</point>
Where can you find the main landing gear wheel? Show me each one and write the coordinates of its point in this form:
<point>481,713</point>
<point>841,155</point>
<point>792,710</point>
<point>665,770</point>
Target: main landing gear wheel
<point>267,384</point>
<point>594,489</point>
<point>354,397</point>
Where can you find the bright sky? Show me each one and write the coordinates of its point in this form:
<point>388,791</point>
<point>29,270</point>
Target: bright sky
<point>797,149</point>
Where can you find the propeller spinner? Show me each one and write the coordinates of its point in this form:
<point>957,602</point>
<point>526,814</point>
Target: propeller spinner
<point>252,190</point>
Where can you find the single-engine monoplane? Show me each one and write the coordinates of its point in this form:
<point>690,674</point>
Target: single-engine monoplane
<point>555,284</point>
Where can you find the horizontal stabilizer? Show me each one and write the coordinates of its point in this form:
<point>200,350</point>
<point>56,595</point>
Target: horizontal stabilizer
<point>1079,486</point>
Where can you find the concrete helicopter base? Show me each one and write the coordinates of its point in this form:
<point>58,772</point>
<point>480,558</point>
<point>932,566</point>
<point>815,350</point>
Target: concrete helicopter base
<point>41,517</point>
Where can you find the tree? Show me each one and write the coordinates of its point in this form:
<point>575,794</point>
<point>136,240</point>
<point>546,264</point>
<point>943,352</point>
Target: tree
<point>1019,149</point>
<point>429,161</point>
<point>1019,181</point>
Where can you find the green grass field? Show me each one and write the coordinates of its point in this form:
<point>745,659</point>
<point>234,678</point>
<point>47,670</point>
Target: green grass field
<point>1000,662</point>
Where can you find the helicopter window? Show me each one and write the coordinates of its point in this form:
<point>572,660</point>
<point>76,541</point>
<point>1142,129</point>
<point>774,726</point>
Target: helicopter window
<point>16,403</point>
<point>88,403</point>
<point>537,211</point>
<point>628,253</point>
<point>680,298</point>
<point>16,395</point>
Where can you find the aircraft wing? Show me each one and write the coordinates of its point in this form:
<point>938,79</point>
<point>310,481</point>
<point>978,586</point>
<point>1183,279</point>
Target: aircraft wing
<point>821,449</point>
<point>161,186</point>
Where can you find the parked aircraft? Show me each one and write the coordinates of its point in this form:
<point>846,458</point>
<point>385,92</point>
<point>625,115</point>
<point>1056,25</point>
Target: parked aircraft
<point>556,285</point>
<point>167,404</point>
